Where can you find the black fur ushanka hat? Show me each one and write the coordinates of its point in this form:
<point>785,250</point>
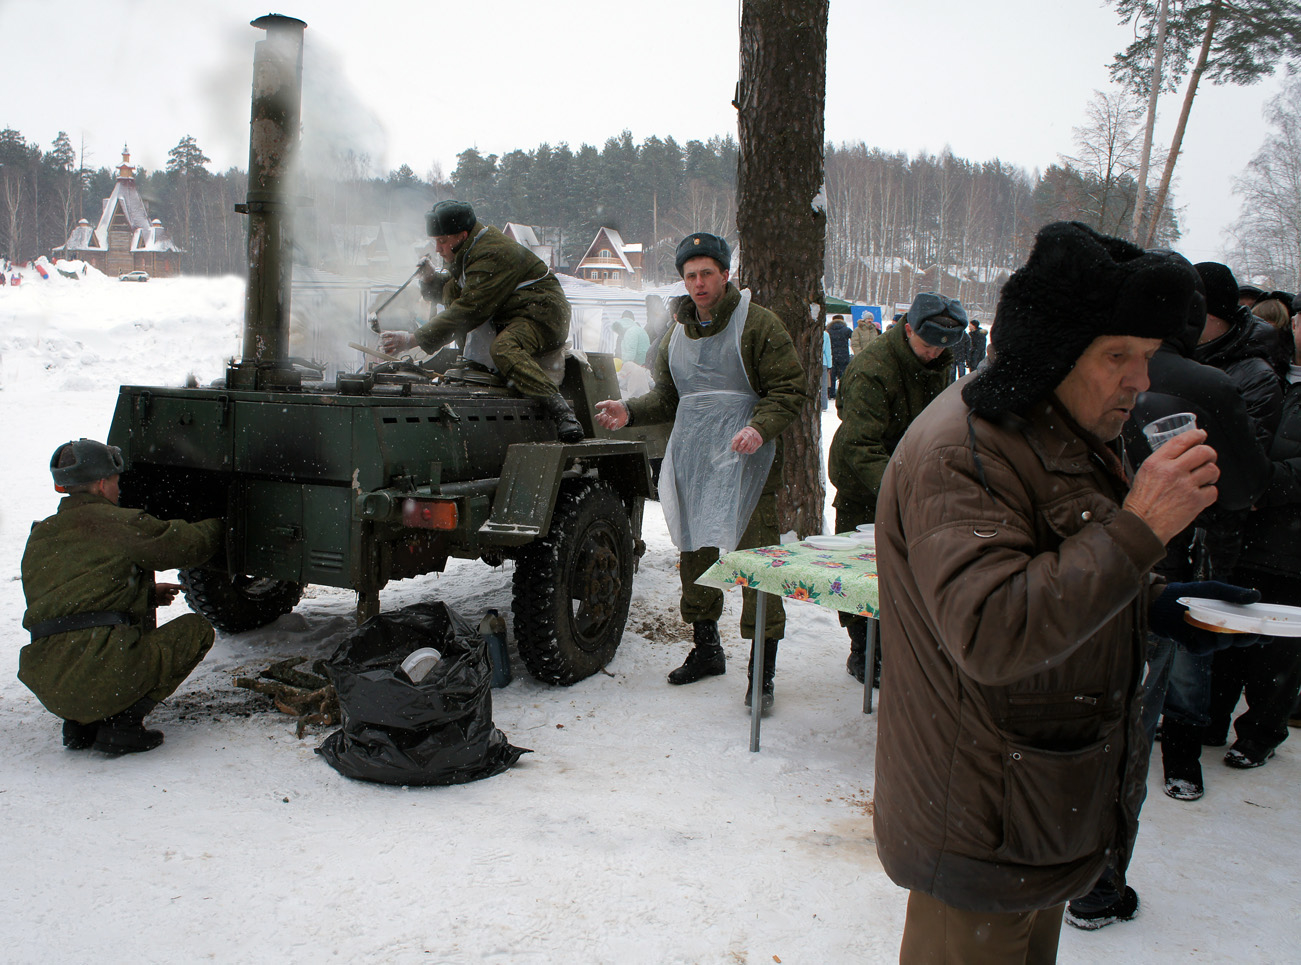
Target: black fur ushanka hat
<point>1077,285</point>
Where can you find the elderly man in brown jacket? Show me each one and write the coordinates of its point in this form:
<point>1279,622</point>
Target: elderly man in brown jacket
<point>1015,560</point>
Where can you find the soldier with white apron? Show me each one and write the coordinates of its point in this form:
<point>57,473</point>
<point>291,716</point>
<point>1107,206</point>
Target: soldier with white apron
<point>728,377</point>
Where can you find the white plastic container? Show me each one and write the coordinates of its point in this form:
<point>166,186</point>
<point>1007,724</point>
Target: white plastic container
<point>419,662</point>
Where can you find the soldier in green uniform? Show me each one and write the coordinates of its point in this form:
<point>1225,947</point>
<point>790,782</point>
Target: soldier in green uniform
<point>497,292</point>
<point>96,658</point>
<point>884,389</point>
<point>728,377</point>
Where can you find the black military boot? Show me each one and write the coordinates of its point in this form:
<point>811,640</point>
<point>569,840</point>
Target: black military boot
<point>125,732</point>
<point>856,665</point>
<point>769,671</point>
<point>706,658</point>
<point>79,737</point>
<point>567,425</point>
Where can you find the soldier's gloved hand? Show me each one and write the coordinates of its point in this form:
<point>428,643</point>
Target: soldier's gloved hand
<point>394,342</point>
<point>426,271</point>
<point>747,441</point>
<point>1166,616</point>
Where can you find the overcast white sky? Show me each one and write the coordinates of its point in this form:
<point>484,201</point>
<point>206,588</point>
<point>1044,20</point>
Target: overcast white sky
<point>418,82</point>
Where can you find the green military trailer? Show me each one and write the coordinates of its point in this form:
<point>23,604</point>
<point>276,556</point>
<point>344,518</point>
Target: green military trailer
<point>385,474</point>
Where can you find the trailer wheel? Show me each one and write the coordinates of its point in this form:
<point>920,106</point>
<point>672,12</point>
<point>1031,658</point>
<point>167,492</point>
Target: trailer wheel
<point>573,586</point>
<point>239,604</point>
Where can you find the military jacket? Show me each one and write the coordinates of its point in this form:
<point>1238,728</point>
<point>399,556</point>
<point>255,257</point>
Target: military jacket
<point>93,556</point>
<point>884,389</point>
<point>494,278</point>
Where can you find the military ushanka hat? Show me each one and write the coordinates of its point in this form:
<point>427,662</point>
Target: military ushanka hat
<point>83,462</point>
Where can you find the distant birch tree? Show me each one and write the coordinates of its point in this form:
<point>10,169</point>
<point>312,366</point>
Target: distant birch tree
<point>1269,229</point>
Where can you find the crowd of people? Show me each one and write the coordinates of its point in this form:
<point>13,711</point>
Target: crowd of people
<point>1034,545</point>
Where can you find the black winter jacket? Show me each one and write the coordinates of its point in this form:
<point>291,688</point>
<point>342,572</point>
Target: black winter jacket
<point>1246,353</point>
<point>975,346</point>
<point>1181,384</point>
<point>1273,537</point>
<point>840,333</point>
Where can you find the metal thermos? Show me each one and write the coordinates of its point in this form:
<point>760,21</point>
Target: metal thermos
<point>493,630</point>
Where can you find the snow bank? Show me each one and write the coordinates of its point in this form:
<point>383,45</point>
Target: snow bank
<point>641,830</point>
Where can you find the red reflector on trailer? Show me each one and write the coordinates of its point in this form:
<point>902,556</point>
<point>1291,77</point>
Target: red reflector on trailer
<point>429,513</point>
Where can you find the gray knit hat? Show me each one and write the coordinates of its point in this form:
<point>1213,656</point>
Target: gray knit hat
<point>86,461</point>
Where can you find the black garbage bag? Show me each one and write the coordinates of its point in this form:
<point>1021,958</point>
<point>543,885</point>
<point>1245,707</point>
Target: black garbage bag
<point>437,731</point>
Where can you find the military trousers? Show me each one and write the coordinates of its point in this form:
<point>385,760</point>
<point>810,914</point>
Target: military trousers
<point>182,644</point>
<point>88,675</point>
<point>515,346</point>
<point>706,602</point>
<point>938,934</point>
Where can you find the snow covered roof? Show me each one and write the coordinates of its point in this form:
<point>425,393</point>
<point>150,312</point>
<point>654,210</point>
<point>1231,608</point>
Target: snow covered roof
<point>146,234</point>
<point>542,241</point>
<point>81,238</point>
<point>153,238</point>
<point>522,233</point>
<point>125,196</point>
<point>613,243</point>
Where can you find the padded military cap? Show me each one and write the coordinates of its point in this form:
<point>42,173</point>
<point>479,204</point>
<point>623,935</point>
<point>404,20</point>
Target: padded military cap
<point>940,322</point>
<point>91,461</point>
<point>449,218</point>
<point>703,244</point>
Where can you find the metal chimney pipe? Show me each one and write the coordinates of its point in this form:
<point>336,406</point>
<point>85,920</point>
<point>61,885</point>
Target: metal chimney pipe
<point>273,142</point>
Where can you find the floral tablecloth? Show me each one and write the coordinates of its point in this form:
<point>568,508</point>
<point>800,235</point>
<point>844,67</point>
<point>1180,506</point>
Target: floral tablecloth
<point>842,578</point>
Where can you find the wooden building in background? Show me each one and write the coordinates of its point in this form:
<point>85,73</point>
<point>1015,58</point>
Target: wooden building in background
<point>125,239</point>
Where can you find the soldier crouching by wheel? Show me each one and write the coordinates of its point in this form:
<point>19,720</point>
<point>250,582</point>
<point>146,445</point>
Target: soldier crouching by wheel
<point>96,658</point>
<point>499,295</point>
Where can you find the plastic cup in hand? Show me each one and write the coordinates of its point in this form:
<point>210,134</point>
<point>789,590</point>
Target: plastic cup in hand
<point>1162,430</point>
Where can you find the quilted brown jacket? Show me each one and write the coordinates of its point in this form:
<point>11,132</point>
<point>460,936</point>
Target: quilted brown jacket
<point>1011,759</point>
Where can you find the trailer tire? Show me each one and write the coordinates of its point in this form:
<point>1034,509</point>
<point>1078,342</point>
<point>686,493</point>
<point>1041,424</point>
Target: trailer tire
<point>239,604</point>
<point>573,586</point>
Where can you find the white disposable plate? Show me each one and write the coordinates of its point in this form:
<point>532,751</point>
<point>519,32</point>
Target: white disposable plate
<point>863,537</point>
<point>866,527</point>
<point>832,542</point>
<point>1272,619</point>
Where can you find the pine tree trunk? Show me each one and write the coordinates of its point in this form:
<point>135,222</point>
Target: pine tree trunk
<point>781,98</point>
<point>1154,217</point>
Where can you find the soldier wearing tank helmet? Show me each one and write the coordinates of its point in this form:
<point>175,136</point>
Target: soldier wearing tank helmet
<point>497,292</point>
<point>96,658</point>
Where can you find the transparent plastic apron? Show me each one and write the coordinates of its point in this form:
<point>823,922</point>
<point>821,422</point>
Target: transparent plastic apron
<point>707,491</point>
<point>478,341</point>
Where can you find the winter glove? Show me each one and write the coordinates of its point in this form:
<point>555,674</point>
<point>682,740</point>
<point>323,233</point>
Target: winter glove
<point>1166,616</point>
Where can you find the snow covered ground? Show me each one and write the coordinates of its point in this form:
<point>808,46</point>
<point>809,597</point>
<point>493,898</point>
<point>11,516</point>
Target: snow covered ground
<point>641,829</point>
